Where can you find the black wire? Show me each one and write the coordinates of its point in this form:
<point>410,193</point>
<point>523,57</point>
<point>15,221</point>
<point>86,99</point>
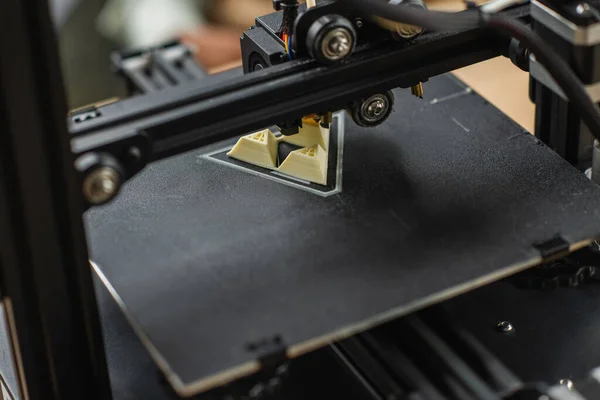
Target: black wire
<point>430,20</point>
<point>595,13</point>
<point>556,66</point>
<point>290,13</point>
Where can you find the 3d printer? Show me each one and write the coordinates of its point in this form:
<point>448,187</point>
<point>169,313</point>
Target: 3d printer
<point>230,276</point>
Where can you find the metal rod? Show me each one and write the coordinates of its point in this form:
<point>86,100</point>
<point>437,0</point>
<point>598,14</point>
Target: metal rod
<point>596,162</point>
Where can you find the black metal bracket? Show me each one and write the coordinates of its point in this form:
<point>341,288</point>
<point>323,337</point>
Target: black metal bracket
<point>369,33</point>
<point>270,352</point>
<point>560,269</point>
<point>553,248</point>
<point>46,281</point>
<point>157,68</point>
<point>178,119</point>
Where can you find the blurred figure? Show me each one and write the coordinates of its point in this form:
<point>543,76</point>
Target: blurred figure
<point>211,28</point>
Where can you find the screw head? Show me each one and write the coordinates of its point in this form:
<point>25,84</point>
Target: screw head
<point>582,8</point>
<point>337,44</point>
<point>505,327</point>
<point>566,382</point>
<point>282,369</point>
<point>134,153</point>
<point>257,391</point>
<point>406,31</point>
<point>101,185</point>
<point>274,382</point>
<point>375,108</point>
<point>358,22</point>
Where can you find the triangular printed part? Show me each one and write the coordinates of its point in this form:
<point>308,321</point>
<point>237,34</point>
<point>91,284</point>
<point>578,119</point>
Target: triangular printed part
<point>259,148</point>
<point>308,163</point>
<point>309,135</point>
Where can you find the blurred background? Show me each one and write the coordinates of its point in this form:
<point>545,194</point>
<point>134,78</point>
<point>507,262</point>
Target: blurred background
<point>89,30</point>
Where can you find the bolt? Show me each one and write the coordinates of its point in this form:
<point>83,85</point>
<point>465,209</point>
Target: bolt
<point>375,108</point>
<point>505,327</point>
<point>406,31</point>
<point>274,382</point>
<point>337,44</point>
<point>282,369</point>
<point>101,185</point>
<point>582,8</point>
<point>135,154</point>
<point>358,22</point>
<point>257,391</point>
<point>566,382</point>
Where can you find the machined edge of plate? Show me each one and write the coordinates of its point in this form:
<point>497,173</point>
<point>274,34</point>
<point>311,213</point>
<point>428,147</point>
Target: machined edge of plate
<point>243,370</point>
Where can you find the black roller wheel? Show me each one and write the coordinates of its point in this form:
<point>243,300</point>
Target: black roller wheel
<point>331,38</point>
<point>373,110</point>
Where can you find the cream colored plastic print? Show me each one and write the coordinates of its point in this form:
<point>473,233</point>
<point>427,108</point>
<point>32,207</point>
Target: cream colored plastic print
<point>258,148</point>
<point>309,163</point>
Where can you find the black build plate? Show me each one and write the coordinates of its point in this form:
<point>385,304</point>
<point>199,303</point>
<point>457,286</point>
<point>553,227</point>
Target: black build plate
<point>446,196</point>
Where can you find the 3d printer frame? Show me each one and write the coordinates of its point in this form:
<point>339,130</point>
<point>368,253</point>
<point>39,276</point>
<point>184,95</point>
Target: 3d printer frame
<point>131,133</point>
<point>47,285</point>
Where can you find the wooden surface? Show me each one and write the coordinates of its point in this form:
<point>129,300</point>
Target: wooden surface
<point>504,85</point>
<point>497,80</point>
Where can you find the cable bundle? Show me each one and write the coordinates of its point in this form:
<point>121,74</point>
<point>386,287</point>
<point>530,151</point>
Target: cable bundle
<point>558,68</point>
